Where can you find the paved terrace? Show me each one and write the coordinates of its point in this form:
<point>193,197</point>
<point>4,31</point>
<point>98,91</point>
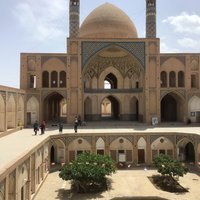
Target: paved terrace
<point>134,182</point>
<point>18,144</point>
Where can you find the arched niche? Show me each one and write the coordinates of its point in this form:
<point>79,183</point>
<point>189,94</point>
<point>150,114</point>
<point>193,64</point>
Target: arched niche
<point>32,110</point>
<point>11,112</point>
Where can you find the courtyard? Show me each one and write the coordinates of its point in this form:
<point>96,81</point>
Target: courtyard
<point>124,183</point>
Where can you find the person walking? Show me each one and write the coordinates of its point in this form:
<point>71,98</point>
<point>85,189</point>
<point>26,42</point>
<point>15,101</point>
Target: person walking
<point>35,127</point>
<point>79,120</point>
<point>76,125</point>
<point>60,127</point>
<point>42,127</point>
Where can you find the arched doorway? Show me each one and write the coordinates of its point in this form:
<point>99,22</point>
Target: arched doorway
<point>189,152</point>
<point>168,109</point>
<point>52,155</point>
<point>110,108</point>
<point>55,108</point>
<point>88,109</point>
<point>141,145</point>
<point>32,110</point>
<point>11,112</point>
<point>186,151</point>
<point>134,109</point>
<point>194,109</point>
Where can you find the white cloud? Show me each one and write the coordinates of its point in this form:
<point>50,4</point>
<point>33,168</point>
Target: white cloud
<point>42,19</point>
<point>164,48</point>
<point>189,43</point>
<point>185,23</point>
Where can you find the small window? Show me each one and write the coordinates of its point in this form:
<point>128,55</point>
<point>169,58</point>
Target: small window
<point>137,84</point>
<point>32,81</point>
<point>54,79</point>
<point>62,82</point>
<point>172,79</point>
<point>162,151</point>
<point>79,152</point>
<point>121,151</point>
<point>181,79</point>
<point>45,79</point>
<point>163,77</point>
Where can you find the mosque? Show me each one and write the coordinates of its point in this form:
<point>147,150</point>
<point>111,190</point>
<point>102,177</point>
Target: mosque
<point>108,73</point>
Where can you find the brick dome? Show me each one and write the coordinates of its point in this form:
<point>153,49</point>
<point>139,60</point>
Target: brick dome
<point>107,21</point>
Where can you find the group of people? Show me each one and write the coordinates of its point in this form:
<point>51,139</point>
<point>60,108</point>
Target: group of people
<point>36,127</point>
<point>42,126</point>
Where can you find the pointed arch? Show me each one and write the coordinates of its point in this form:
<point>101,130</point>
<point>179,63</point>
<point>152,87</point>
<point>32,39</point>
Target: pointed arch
<point>55,107</point>
<point>163,77</point>
<point>185,150</point>
<point>45,79</point>
<point>172,108</point>
<point>32,110</point>
<point>57,152</point>
<point>141,146</point>
<point>62,81</point>
<point>112,80</point>
<point>181,79</point>
<point>88,108</point>
<point>121,150</point>
<point>116,75</point>
<point>172,79</point>
<point>11,112</point>
<point>134,109</point>
<point>110,108</point>
<point>20,113</point>
<point>194,109</point>
<point>162,145</point>
<point>100,146</point>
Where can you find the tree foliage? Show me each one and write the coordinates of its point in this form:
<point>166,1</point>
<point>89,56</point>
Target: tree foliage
<point>88,170</point>
<point>168,166</point>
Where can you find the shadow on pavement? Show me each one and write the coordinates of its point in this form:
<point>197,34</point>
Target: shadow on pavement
<point>138,198</point>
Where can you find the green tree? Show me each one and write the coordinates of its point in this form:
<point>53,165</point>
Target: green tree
<point>170,168</point>
<point>88,171</point>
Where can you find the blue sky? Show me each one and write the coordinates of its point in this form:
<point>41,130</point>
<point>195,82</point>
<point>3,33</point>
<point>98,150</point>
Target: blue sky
<point>42,26</point>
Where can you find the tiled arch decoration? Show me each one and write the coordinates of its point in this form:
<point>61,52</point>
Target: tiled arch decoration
<point>90,48</point>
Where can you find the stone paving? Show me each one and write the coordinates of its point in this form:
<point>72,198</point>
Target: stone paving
<point>17,144</point>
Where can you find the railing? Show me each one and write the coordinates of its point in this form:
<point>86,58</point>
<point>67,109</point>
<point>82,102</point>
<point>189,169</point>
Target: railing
<point>134,90</point>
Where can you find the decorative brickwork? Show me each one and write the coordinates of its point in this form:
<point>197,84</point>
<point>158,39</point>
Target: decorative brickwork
<point>137,49</point>
<point>169,137</point>
<point>130,138</point>
<point>126,65</point>
<point>151,18</point>
<point>74,10</point>
<point>180,92</point>
<point>31,63</point>
<point>181,137</point>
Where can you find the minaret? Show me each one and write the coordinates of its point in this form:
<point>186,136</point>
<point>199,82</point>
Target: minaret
<point>74,13</point>
<point>150,18</point>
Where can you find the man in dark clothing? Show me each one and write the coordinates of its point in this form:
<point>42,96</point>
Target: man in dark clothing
<point>76,125</point>
<point>60,127</point>
<point>36,127</point>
